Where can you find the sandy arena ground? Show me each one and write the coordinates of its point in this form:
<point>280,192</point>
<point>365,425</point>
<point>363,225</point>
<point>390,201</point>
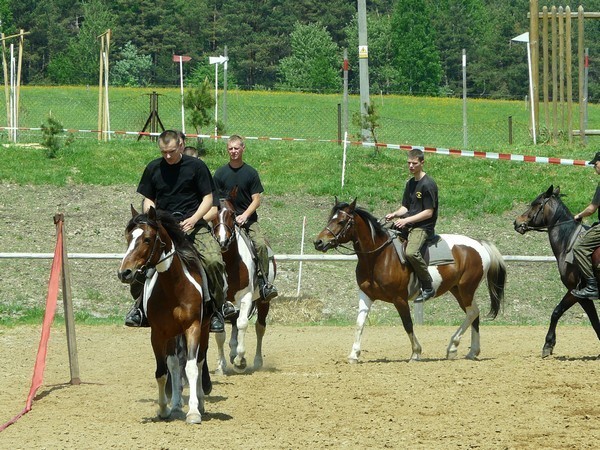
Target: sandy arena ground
<point>308,396</point>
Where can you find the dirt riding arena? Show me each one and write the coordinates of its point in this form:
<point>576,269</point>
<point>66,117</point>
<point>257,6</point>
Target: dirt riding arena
<point>308,396</point>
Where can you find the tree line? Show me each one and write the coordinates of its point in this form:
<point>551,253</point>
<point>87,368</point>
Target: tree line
<point>415,46</point>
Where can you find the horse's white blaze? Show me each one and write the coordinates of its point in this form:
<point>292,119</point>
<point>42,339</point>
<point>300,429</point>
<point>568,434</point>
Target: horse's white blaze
<point>135,235</point>
<point>222,234</point>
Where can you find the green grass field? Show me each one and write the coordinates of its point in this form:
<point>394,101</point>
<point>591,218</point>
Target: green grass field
<point>402,120</point>
<point>479,197</point>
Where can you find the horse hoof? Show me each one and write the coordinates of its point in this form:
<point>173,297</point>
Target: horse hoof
<point>451,355</point>
<point>164,413</point>
<point>241,366</point>
<point>193,418</point>
<point>547,351</point>
<point>352,360</point>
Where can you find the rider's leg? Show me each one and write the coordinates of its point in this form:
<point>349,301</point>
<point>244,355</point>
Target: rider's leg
<point>214,267</point>
<point>416,239</point>
<point>267,291</point>
<point>136,317</point>
<point>583,251</point>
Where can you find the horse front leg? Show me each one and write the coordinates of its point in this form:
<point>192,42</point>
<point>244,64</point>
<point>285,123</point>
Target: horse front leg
<point>260,327</point>
<point>364,306</point>
<point>239,362</point>
<point>404,312</point>
<point>160,352</point>
<point>564,305</point>
<point>220,339</point>
<point>176,387</point>
<point>192,372</point>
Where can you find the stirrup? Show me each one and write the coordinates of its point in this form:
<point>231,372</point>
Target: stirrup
<point>425,295</point>
<point>268,292</point>
<point>136,318</point>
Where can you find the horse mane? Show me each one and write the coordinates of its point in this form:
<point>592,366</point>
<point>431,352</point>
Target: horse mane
<point>373,222</point>
<point>183,246</point>
<point>563,214</point>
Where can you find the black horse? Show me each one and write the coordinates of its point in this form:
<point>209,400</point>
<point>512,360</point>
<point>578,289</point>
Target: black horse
<point>549,214</point>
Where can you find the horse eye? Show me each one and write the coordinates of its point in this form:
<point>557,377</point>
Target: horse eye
<point>146,240</point>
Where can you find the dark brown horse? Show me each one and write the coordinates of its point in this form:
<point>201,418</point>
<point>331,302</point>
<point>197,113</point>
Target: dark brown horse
<point>547,213</point>
<point>242,289</point>
<point>381,275</point>
<point>173,301</point>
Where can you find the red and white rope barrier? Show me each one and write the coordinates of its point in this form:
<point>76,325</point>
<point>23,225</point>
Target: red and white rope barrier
<point>438,150</point>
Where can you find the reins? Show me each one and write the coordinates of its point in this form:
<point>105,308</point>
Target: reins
<point>546,227</point>
<point>353,251</point>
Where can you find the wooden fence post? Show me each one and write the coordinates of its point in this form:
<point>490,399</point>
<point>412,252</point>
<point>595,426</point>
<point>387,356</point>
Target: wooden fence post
<point>68,305</point>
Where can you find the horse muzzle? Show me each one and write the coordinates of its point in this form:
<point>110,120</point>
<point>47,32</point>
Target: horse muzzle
<point>126,276</point>
<point>520,227</point>
<point>323,246</point>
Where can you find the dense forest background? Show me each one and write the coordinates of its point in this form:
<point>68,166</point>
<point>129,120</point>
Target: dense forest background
<point>415,46</point>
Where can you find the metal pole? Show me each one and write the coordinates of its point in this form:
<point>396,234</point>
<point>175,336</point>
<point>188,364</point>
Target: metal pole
<point>363,63</point>
<point>345,101</point>
<point>181,84</point>
<point>585,94</point>
<point>216,97</point>
<point>225,87</point>
<point>464,73</point>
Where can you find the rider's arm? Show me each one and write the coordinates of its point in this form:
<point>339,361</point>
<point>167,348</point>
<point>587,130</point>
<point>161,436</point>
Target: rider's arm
<point>243,218</point>
<point>398,213</point>
<point>146,204</point>
<point>588,211</point>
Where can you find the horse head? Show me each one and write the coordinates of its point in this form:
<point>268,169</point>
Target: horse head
<point>224,226</point>
<point>540,212</point>
<point>339,227</point>
<point>145,245</point>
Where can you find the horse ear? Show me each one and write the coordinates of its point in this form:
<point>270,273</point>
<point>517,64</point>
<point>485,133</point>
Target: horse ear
<point>550,191</point>
<point>152,213</point>
<point>557,191</point>
<point>353,204</point>
<point>134,213</point>
<point>335,199</point>
<point>233,192</point>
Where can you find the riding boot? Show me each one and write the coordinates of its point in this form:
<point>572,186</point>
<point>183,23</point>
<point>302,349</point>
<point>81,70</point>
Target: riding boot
<point>590,291</point>
<point>427,291</point>
<point>135,317</point>
<point>266,290</point>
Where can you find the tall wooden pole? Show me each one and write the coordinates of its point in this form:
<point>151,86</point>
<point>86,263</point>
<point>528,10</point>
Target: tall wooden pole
<point>535,58</point>
<point>363,65</point>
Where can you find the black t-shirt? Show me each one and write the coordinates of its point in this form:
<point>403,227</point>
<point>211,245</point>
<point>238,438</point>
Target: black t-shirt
<point>247,180</point>
<point>596,200</point>
<point>176,188</point>
<point>419,196</point>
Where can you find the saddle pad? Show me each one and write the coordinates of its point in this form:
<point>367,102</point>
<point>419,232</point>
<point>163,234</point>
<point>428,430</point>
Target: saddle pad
<point>437,253</point>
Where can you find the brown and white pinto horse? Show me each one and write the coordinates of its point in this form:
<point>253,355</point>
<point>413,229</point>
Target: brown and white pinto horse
<point>547,213</point>
<point>381,275</point>
<point>173,301</point>
<point>242,289</point>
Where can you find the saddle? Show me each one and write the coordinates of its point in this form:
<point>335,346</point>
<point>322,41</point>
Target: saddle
<point>435,251</point>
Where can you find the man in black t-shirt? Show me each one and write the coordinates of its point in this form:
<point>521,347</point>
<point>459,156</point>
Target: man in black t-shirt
<point>249,190</point>
<point>417,216</point>
<point>183,186</point>
<point>585,246</point>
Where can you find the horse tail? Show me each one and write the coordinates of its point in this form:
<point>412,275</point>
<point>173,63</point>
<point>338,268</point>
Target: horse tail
<point>496,278</point>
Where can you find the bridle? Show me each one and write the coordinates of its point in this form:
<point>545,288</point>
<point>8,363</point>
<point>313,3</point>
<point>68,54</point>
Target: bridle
<point>157,245</point>
<point>545,227</point>
<point>350,222</point>
<point>228,229</point>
